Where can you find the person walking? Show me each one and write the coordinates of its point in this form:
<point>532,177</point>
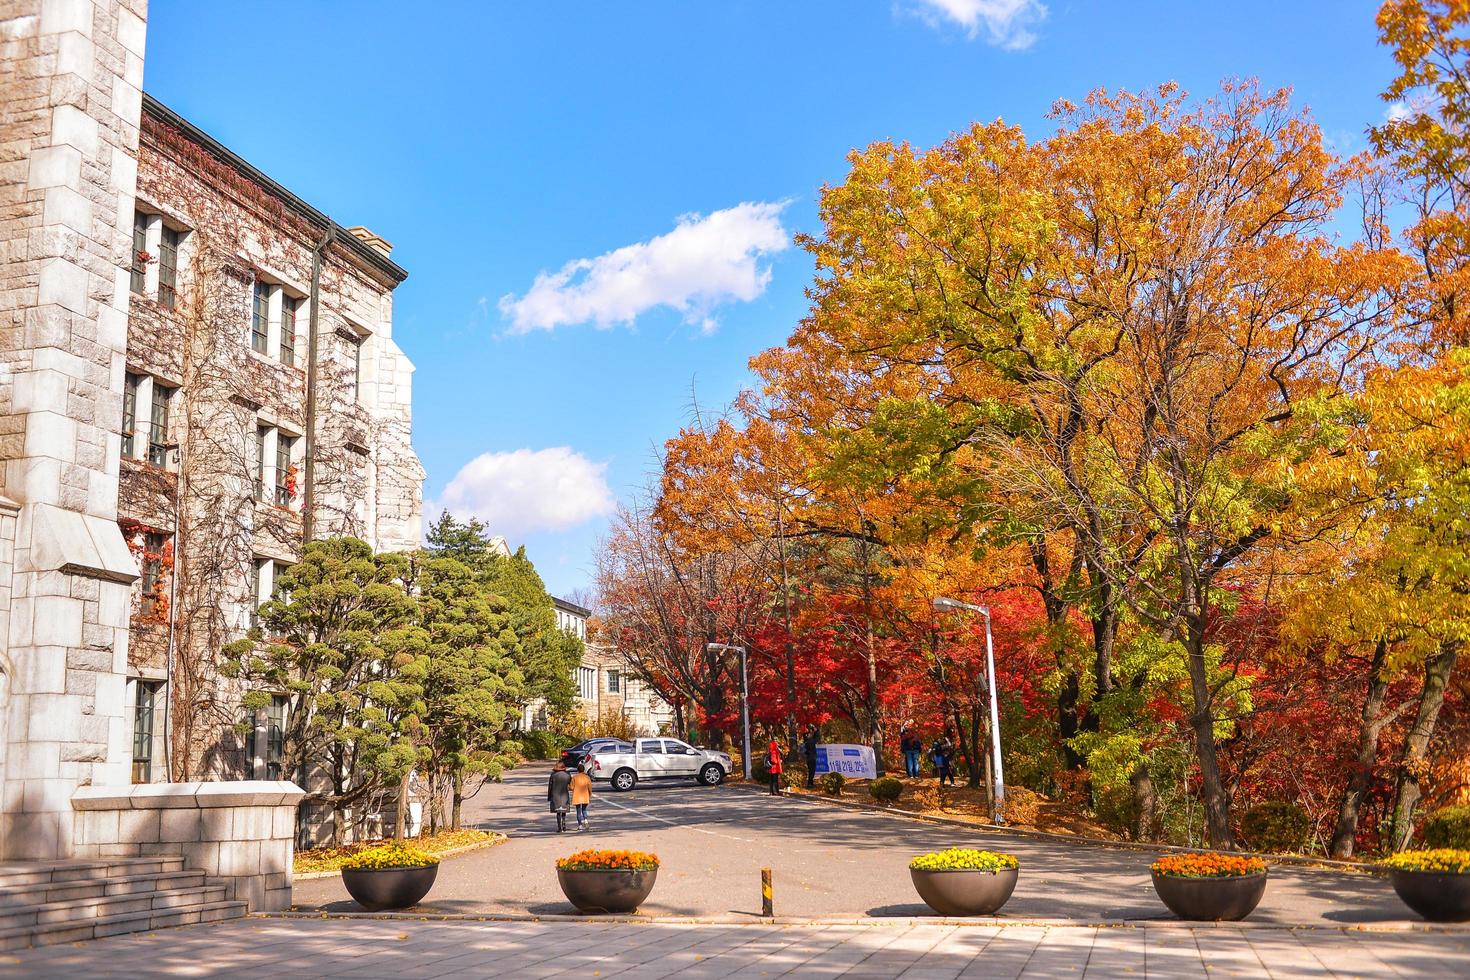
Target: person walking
<point>414,819</point>
<point>773,766</point>
<point>809,755</point>
<point>942,753</point>
<point>558,794</point>
<point>909,742</point>
<point>581,796</point>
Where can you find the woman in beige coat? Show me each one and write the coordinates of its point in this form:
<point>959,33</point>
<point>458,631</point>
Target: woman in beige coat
<point>581,796</point>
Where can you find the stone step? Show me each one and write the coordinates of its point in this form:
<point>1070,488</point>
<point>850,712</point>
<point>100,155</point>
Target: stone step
<point>50,933</point>
<point>29,873</point>
<point>80,909</point>
<point>43,893</point>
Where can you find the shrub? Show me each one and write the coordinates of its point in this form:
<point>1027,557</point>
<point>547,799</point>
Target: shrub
<point>1439,859</point>
<point>832,783</point>
<point>885,789</point>
<point>964,859</point>
<point>1206,866</point>
<point>608,861</point>
<point>394,854</point>
<point>1448,827</point>
<point>541,744</point>
<point>1276,826</point>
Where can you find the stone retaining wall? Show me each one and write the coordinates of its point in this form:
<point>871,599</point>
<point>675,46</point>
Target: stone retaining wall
<point>240,832</point>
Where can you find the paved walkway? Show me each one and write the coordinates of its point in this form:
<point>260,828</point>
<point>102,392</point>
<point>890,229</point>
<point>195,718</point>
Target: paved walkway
<point>412,948</point>
<point>828,861</point>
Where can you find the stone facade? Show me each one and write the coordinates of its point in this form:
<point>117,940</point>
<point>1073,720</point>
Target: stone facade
<point>240,833</point>
<point>265,403</point>
<point>71,75</point>
<point>197,374</point>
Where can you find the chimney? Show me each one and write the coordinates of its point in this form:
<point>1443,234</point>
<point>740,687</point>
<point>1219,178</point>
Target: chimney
<point>374,241</point>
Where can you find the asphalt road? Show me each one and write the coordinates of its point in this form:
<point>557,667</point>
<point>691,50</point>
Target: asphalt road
<point>827,861</point>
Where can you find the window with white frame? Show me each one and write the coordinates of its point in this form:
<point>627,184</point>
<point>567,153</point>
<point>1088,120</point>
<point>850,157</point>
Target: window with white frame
<point>260,573</point>
<point>275,465</point>
<point>147,404</point>
<point>613,680</point>
<point>587,683</point>
<point>154,269</point>
<point>145,703</point>
<point>275,735</point>
<point>274,310</point>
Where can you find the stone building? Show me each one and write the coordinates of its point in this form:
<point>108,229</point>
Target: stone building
<point>197,374</point>
<point>264,403</point>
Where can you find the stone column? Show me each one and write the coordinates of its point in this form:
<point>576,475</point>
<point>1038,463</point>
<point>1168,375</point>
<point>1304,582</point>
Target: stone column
<point>71,75</point>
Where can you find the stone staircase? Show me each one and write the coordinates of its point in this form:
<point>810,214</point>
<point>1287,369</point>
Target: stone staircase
<point>46,902</point>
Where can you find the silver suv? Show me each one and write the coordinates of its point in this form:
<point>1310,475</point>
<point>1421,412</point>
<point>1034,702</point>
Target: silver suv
<point>657,758</point>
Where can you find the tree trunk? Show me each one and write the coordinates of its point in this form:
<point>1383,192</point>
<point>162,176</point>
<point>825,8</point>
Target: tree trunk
<point>1067,726</point>
<point>1216,799</point>
<point>1145,801</point>
<point>1413,765</point>
<point>454,814</point>
<point>402,815</point>
<point>1370,726</point>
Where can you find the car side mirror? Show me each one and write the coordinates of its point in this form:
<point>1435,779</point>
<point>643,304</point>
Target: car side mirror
<point>691,752</point>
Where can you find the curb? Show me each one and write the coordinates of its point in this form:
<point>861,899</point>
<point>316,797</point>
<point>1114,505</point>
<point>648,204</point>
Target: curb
<point>986,922</point>
<point>477,846</point>
<point>1297,860</point>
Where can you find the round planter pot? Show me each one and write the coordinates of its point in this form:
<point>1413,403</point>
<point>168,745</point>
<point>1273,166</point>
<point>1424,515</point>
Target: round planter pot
<point>1439,896</point>
<point>606,891</point>
<point>381,889</point>
<point>1211,899</point>
<point>964,892</point>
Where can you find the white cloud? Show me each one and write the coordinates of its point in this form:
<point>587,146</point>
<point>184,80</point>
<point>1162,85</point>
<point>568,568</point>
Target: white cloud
<point>1006,23</point>
<point>704,262</point>
<point>527,490</point>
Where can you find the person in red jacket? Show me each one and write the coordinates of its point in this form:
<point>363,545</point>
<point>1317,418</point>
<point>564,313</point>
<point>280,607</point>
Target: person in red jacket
<point>773,764</point>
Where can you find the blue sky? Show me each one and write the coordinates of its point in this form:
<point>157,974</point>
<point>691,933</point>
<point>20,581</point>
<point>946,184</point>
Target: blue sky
<point>647,160</point>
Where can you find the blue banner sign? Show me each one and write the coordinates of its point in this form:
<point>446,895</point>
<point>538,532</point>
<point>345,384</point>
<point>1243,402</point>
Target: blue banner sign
<point>853,761</point>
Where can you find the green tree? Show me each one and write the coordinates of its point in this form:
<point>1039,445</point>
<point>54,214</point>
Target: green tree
<point>548,654</point>
<point>339,640</point>
<point>473,683</point>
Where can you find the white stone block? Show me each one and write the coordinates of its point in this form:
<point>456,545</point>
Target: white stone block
<point>41,671</point>
<point>39,391</point>
<point>63,283</point>
<point>55,166</point>
<point>124,172</point>
<point>46,795</point>
<point>59,16</point>
<point>137,826</point>
<point>112,327</point>
<point>131,31</point>
<point>75,55</point>
<point>72,126</point>
<point>163,796</point>
<point>51,434</point>
<point>178,825</point>
<point>70,216</point>
<point>127,99</point>
<point>58,621</point>
<point>54,718</point>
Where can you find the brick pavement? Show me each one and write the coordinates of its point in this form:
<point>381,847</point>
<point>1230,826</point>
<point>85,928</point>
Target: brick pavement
<point>365,948</point>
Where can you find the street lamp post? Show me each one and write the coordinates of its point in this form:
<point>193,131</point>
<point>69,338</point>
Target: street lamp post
<point>998,791</point>
<point>744,704</point>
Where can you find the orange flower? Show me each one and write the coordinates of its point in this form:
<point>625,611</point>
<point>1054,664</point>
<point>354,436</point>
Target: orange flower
<point>1207,866</point>
<point>609,861</point>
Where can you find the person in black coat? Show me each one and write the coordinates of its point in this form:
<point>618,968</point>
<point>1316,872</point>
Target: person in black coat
<point>809,755</point>
<point>559,794</point>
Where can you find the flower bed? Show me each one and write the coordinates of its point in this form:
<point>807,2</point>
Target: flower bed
<point>608,861</point>
<point>607,881</point>
<point>964,859</point>
<point>1435,883</point>
<point>394,854</point>
<point>321,859</point>
<point>1209,887</point>
<point>1207,866</point>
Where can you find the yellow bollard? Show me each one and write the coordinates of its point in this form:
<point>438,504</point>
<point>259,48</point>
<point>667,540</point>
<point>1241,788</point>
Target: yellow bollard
<point>766,903</point>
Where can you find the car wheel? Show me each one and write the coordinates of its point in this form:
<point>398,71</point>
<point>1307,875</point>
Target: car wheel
<point>712,775</point>
<point>624,780</point>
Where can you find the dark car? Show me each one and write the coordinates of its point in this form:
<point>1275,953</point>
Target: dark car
<point>572,757</point>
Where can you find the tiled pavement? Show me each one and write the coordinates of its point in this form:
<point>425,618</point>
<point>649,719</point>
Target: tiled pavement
<point>366,948</point>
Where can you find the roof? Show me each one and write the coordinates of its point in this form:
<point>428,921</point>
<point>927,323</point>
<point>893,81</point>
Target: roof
<point>345,238</point>
<point>571,607</point>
